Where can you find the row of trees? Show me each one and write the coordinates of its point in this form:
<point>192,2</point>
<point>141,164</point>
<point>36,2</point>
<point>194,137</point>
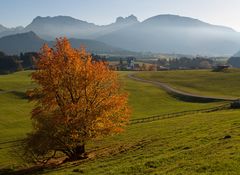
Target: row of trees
<point>12,63</point>
<point>160,64</point>
<point>185,62</point>
<point>8,64</point>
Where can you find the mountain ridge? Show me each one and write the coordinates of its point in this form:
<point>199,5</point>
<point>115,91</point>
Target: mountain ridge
<point>31,42</point>
<point>164,33</point>
<point>176,34</point>
<point>185,19</point>
<point>3,28</point>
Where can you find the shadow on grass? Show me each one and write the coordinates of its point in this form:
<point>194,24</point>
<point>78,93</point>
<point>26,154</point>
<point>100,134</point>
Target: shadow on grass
<point>195,99</point>
<point>43,169</point>
<point>28,171</point>
<point>21,95</point>
<point>98,153</point>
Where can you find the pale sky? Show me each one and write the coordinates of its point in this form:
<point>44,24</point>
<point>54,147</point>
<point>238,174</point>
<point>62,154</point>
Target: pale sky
<point>21,12</point>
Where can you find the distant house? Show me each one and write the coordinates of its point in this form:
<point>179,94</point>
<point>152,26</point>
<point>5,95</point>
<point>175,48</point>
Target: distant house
<point>127,64</point>
<point>220,68</point>
<point>130,63</point>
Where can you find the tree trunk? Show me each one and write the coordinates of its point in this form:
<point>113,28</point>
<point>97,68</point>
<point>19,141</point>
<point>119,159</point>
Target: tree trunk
<point>80,149</point>
<point>78,153</point>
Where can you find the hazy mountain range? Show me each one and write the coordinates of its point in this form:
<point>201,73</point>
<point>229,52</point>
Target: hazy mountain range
<point>159,34</point>
<point>29,41</point>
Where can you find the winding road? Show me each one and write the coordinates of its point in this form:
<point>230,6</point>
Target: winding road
<point>173,91</point>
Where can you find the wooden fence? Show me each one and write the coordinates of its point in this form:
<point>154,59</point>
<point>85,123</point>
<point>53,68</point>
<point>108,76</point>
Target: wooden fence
<point>13,143</point>
<point>177,114</point>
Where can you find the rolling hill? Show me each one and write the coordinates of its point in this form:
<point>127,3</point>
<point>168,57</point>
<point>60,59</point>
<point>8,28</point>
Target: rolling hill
<point>24,42</point>
<point>29,42</point>
<point>235,60</point>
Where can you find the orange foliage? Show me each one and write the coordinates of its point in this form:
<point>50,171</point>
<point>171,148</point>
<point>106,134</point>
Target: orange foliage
<point>78,99</point>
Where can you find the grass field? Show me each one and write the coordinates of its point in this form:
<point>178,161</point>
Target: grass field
<point>19,81</point>
<point>14,112</point>
<point>190,144</point>
<point>147,100</point>
<point>201,82</point>
<point>187,145</point>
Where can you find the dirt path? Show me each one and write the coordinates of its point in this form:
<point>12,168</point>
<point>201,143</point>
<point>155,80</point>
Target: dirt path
<point>173,91</point>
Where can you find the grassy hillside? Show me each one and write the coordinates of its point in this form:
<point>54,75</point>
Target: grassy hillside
<point>14,108</point>
<point>14,112</point>
<point>187,145</point>
<point>201,82</point>
<point>147,100</point>
<point>19,81</point>
<point>171,146</point>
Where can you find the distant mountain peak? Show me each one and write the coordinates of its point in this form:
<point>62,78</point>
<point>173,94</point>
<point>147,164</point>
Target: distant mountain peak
<point>129,19</point>
<point>58,19</point>
<point>169,19</point>
<point>58,26</point>
<point>39,18</point>
<point>3,28</point>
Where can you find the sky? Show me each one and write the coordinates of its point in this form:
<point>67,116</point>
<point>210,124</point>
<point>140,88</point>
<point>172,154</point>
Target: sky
<point>21,12</point>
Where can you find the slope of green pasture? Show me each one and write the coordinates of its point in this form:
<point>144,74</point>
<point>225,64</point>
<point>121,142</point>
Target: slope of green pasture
<point>144,99</point>
<point>18,81</point>
<point>147,100</point>
<point>201,82</point>
<point>188,145</point>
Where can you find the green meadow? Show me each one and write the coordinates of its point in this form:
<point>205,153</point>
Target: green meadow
<point>203,143</point>
<point>201,82</point>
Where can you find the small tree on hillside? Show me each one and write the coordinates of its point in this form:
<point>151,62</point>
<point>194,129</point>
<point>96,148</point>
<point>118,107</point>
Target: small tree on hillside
<point>77,100</point>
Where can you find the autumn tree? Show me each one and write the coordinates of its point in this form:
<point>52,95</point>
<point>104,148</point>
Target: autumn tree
<point>152,67</point>
<point>77,99</point>
<point>144,67</point>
